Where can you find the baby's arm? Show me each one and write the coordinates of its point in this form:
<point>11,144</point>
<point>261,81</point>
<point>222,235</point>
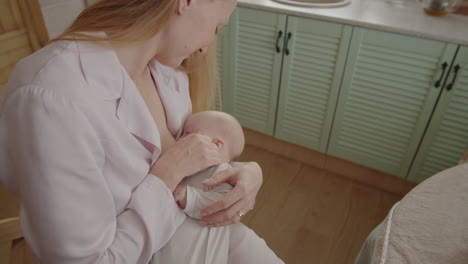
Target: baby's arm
<point>193,199</point>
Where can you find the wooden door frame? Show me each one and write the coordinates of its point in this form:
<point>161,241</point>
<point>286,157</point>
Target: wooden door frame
<point>34,22</point>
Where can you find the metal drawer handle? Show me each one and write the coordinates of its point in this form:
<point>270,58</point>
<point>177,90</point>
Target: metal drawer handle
<point>287,40</point>
<point>456,68</point>
<point>280,33</point>
<point>444,67</point>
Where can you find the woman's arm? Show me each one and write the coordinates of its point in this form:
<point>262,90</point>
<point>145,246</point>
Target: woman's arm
<point>67,208</point>
<point>187,156</point>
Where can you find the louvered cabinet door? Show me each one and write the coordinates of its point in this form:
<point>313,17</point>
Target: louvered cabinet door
<point>311,78</point>
<point>222,56</point>
<point>386,98</point>
<point>252,92</point>
<point>447,135</point>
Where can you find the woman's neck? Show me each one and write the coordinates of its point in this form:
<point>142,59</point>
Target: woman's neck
<point>135,58</point>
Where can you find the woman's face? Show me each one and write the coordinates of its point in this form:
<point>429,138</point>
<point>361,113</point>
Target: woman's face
<point>193,29</point>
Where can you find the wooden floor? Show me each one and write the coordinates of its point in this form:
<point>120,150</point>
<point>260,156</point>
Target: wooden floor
<point>306,214</point>
<point>8,205</point>
<point>309,215</point>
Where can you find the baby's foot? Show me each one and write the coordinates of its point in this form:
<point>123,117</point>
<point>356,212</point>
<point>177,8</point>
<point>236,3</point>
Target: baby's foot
<point>180,195</point>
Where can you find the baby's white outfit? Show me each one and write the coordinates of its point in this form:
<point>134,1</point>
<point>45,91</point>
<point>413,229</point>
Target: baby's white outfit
<point>193,243</point>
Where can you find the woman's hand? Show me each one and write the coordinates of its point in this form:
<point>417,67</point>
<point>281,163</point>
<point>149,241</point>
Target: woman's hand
<point>190,154</point>
<point>247,180</point>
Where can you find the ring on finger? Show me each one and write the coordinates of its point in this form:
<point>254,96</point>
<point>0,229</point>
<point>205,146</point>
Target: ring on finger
<point>240,214</point>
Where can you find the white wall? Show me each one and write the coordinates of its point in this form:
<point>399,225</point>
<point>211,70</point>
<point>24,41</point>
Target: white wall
<point>58,14</point>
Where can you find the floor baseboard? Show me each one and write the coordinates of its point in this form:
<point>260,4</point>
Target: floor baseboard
<point>380,180</point>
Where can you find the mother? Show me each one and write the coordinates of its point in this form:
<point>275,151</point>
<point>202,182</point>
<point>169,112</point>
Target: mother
<point>86,120</point>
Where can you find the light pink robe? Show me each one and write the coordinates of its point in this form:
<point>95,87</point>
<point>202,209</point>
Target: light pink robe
<point>77,143</point>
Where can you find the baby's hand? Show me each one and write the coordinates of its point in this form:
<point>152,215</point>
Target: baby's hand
<point>180,195</point>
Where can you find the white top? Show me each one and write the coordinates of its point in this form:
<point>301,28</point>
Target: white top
<point>77,143</point>
<point>380,15</point>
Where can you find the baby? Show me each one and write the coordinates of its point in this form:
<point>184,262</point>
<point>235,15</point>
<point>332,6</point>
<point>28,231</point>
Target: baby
<point>192,242</point>
<point>227,134</point>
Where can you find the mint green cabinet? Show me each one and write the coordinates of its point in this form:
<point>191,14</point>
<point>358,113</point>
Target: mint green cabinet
<point>251,67</point>
<point>310,81</point>
<point>447,134</point>
<point>376,98</point>
<point>301,60</point>
<point>222,55</point>
<point>387,97</point>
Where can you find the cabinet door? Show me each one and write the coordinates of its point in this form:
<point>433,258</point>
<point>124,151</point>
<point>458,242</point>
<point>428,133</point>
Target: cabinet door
<point>310,81</point>
<point>447,134</point>
<point>386,99</point>
<point>222,56</point>
<point>254,68</point>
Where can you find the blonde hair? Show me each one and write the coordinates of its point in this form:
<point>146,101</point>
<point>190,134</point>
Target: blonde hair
<point>132,21</point>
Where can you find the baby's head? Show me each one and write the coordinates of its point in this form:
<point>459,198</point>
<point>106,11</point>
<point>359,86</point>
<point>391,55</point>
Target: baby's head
<point>223,128</point>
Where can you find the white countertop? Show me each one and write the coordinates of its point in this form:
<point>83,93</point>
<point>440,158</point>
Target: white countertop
<point>380,15</point>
